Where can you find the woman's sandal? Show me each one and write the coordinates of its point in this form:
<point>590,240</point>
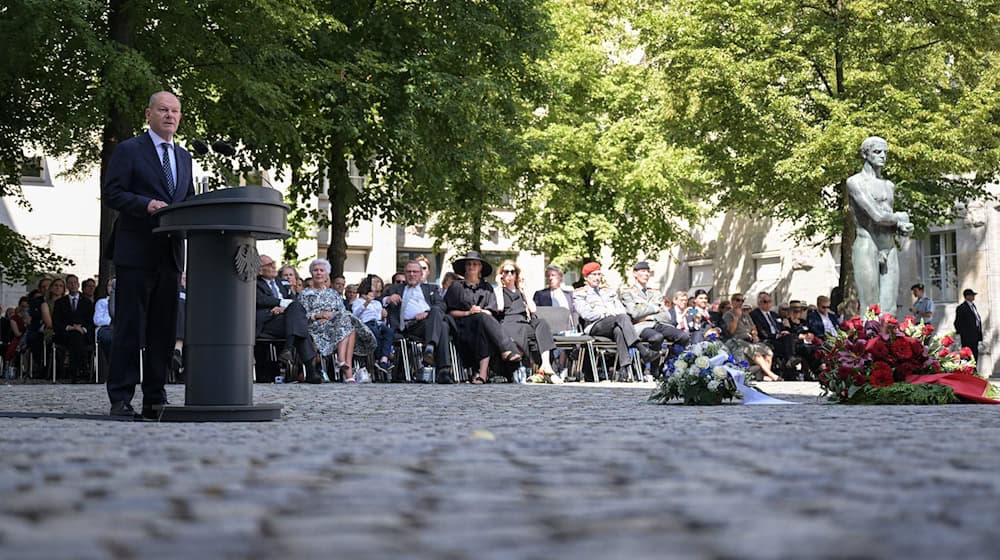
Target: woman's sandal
<point>511,356</point>
<point>476,380</point>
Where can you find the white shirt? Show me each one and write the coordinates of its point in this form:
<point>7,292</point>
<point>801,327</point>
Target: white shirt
<point>413,302</point>
<point>371,312</point>
<point>101,316</point>
<point>559,298</point>
<point>828,323</point>
<point>157,142</point>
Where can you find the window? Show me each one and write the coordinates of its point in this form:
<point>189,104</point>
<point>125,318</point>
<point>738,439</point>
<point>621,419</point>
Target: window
<point>940,267</point>
<point>835,249</point>
<point>35,171</point>
<point>701,275</point>
<point>766,269</point>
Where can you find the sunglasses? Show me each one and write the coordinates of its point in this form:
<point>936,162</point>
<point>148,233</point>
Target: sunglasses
<point>824,307</point>
<point>422,267</point>
<point>508,271</point>
<point>400,282</point>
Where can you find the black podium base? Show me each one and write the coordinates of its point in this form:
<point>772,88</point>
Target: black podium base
<point>224,413</point>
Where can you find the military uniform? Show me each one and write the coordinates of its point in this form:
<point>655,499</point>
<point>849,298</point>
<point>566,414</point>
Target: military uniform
<point>604,315</point>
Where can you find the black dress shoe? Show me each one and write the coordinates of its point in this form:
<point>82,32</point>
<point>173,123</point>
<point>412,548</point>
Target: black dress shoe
<point>122,408</point>
<point>149,413</point>
<point>428,357</point>
<point>443,376</point>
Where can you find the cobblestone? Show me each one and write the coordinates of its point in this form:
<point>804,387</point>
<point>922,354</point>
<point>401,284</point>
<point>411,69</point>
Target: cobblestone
<point>571,471</point>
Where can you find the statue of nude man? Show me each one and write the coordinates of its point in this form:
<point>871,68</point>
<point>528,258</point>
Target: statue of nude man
<point>876,262</point>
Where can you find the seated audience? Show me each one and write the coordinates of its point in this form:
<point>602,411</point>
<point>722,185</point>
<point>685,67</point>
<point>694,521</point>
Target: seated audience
<point>446,281</point>
<point>472,303</point>
<point>418,310</point>
<point>604,315</point>
<point>289,275</point>
<point>651,318</point>
<point>87,288</point>
<point>518,320</point>
<point>699,320</point>
<point>554,294</point>
<point>742,339</point>
<point>330,323</point>
<point>73,326</point>
<point>17,323</point>
<point>367,307</point>
<point>770,328</point>
<point>350,295</point>
<point>103,318</point>
<point>279,315</point>
<point>822,321</point>
<point>425,268</point>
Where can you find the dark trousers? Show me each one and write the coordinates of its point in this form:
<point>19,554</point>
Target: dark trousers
<point>383,337</point>
<point>76,344</point>
<point>481,336</point>
<point>145,316</point>
<point>291,325</point>
<point>672,334</point>
<point>434,330</point>
<point>618,327</point>
<point>523,331</point>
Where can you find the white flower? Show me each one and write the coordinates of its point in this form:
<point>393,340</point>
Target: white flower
<point>697,349</point>
<point>713,385</point>
<point>702,362</point>
<point>681,366</point>
<point>719,372</point>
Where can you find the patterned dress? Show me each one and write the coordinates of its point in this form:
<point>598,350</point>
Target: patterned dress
<point>326,334</point>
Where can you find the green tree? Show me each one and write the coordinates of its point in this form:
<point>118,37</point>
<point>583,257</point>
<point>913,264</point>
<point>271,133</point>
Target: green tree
<point>777,96</point>
<point>604,169</point>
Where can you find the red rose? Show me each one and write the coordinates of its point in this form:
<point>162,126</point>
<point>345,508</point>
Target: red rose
<point>902,349</point>
<point>943,353</point>
<point>844,372</point>
<point>822,378</point>
<point>908,321</point>
<point>917,346</point>
<point>965,353</point>
<point>969,370</point>
<point>890,320</point>
<point>881,377</point>
<point>902,370</point>
<point>877,347</point>
<point>874,308</point>
<point>858,379</point>
<point>947,341</point>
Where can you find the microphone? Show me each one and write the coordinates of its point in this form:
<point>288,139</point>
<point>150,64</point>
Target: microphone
<point>199,147</point>
<point>223,148</point>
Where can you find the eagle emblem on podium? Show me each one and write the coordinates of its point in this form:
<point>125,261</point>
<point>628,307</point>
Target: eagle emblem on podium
<point>247,262</point>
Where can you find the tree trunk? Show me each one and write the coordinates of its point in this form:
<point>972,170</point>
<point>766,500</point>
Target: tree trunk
<point>115,130</point>
<point>342,195</point>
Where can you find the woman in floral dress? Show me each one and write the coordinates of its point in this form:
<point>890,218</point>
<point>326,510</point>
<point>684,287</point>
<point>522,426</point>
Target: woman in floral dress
<point>332,327</point>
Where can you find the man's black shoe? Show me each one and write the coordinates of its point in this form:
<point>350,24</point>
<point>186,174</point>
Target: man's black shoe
<point>428,357</point>
<point>177,361</point>
<point>443,376</point>
<point>122,408</point>
<point>148,413</point>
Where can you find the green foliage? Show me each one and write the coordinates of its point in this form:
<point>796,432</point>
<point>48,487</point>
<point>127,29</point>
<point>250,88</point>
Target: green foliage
<point>602,168</point>
<point>905,393</point>
<point>777,97</point>
<point>20,260</point>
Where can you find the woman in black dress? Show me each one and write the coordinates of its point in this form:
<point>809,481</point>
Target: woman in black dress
<point>518,319</point>
<point>473,305</point>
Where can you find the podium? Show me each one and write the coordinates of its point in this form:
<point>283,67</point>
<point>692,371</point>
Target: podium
<point>222,228</point>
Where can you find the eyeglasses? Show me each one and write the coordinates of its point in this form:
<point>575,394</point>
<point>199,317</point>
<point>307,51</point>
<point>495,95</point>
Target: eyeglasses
<point>765,301</point>
<point>824,307</point>
<point>400,282</point>
<point>422,267</point>
<point>508,271</point>
<point>740,300</point>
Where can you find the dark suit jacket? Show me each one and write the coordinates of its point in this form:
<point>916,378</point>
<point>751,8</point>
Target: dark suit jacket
<point>395,310</point>
<point>965,325</point>
<point>134,177</point>
<point>63,315</point>
<point>543,298</point>
<point>764,331</point>
<point>266,301</point>
<point>815,322</point>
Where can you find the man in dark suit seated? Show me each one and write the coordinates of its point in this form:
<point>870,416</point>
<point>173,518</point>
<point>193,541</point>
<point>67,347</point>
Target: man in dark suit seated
<point>555,295</point>
<point>145,173</point>
<point>417,310</point>
<point>968,323</point>
<point>280,316</point>
<point>770,328</point>
<point>823,321</point>
<point>73,326</point>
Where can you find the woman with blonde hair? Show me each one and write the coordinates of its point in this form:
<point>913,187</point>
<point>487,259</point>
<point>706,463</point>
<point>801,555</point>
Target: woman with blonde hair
<point>517,315</point>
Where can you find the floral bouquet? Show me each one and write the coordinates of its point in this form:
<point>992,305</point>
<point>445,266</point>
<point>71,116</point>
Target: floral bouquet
<point>877,359</point>
<point>700,376</point>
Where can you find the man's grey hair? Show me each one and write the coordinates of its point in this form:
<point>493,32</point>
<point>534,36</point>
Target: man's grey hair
<point>554,268</point>
<point>152,98</point>
<point>325,263</point>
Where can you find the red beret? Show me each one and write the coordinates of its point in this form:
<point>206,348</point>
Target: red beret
<point>590,267</point>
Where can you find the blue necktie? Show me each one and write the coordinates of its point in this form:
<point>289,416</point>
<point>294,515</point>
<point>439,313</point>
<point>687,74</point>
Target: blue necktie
<point>171,187</point>
<point>274,289</point>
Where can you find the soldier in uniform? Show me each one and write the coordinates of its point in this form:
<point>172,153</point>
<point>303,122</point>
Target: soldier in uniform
<point>604,315</point>
<point>651,318</point>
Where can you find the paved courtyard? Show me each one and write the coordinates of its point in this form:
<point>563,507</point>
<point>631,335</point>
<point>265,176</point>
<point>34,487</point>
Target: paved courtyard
<point>499,471</point>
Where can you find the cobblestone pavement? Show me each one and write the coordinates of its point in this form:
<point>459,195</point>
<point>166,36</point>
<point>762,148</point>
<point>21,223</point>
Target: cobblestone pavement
<point>499,471</point>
